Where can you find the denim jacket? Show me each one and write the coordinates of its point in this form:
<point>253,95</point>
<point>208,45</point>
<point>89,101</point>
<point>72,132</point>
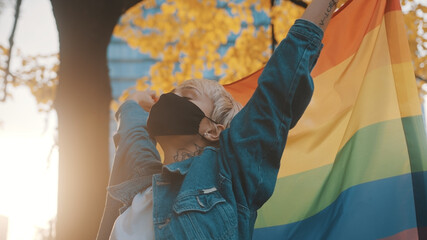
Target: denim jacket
<point>216,195</point>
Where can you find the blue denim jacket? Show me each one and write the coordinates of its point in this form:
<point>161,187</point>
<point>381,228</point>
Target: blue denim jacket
<point>216,195</point>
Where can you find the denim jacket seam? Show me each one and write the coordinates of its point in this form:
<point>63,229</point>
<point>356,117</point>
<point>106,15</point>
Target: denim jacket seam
<point>313,39</point>
<point>210,148</point>
<point>295,76</point>
<point>243,206</point>
<point>259,182</point>
<point>307,29</point>
<point>310,43</point>
<point>238,203</point>
<point>224,178</point>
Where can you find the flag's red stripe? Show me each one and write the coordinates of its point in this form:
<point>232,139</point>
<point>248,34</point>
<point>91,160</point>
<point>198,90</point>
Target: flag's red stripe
<point>392,5</point>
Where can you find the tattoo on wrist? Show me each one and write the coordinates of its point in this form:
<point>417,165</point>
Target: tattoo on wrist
<point>184,153</point>
<point>329,10</point>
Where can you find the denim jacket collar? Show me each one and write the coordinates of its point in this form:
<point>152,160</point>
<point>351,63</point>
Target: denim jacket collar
<point>181,167</point>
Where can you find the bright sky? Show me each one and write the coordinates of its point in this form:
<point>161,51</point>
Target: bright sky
<point>28,180</point>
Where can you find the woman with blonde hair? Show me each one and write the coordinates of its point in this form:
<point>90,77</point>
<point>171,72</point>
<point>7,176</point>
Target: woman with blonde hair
<point>220,164</point>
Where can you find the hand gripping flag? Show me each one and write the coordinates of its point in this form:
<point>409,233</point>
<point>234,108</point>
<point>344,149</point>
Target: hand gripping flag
<point>355,166</point>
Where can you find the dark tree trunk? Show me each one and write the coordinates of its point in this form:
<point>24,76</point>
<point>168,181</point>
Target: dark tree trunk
<point>82,105</point>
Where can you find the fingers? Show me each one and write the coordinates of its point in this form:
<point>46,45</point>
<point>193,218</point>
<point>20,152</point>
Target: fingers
<point>151,100</point>
<point>152,94</point>
<point>144,98</point>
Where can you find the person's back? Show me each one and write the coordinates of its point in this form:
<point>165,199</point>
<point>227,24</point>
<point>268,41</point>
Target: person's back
<point>216,172</point>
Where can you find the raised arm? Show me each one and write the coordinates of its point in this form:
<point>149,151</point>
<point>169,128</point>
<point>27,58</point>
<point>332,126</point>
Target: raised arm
<point>135,160</point>
<point>136,152</point>
<point>254,143</point>
<point>320,12</point>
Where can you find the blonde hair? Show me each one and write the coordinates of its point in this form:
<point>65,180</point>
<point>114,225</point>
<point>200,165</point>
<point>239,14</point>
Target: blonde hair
<point>225,107</point>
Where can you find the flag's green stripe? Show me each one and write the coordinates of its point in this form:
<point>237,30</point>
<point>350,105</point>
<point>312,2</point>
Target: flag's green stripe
<point>374,152</point>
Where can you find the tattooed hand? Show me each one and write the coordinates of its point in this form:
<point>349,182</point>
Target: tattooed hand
<point>320,12</point>
<point>329,10</point>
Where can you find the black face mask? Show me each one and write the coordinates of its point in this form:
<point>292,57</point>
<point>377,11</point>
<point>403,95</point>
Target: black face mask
<point>174,115</point>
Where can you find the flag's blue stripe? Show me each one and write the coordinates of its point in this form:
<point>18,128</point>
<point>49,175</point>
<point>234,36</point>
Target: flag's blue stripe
<point>371,210</point>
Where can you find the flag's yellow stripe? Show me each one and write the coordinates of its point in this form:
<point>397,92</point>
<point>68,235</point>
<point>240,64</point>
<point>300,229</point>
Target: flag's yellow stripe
<point>376,102</point>
<point>356,96</point>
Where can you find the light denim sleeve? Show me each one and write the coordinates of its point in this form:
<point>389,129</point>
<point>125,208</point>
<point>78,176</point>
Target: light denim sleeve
<point>135,161</point>
<point>136,157</point>
<point>253,145</point>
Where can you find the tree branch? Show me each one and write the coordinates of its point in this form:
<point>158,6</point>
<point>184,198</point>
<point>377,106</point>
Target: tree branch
<point>300,3</point>
<point>9,55</point>
<point>420,78</point>
<point>273,38</point>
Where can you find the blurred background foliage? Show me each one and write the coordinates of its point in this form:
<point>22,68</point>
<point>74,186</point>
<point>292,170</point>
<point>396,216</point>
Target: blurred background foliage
<point>189,37</point>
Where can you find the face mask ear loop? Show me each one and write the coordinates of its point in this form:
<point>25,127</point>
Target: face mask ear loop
<point>211,120</point>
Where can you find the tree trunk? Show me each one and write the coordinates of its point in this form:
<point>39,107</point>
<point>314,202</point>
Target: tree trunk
<point>82,104</point>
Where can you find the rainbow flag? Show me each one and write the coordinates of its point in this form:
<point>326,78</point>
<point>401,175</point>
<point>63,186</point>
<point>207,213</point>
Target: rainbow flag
<point>355,166</point>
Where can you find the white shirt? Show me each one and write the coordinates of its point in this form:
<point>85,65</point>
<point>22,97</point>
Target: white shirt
<point>136,223</point>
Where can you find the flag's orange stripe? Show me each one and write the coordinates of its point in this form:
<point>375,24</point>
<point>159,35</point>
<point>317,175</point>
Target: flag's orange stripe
<point>347,40</point>
<point>343,35</point>
<point>368,16</point>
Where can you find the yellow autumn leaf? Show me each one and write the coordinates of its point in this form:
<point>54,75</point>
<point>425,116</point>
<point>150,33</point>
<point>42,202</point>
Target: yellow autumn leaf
<point>124,96</point>
<point>141,84</point>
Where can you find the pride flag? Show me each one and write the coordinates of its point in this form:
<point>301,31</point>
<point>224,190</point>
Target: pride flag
<point>355,165</point>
